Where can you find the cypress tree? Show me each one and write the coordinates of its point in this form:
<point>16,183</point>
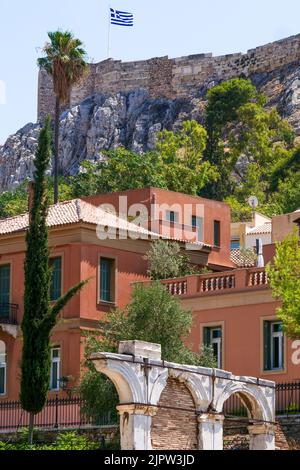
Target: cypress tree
<point>40,315</point>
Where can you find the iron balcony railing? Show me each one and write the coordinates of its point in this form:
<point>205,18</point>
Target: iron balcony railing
<point>8,313</point>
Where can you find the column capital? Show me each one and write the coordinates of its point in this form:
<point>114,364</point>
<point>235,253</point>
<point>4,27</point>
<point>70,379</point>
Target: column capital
<point>261,428</point>
<point>137,409</point>
<point>210,417</point>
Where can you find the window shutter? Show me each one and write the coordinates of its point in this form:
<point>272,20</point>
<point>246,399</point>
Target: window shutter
<point>55,288</point>
<point>105,279</point>
<point>4,284</point>
<point>267,345</point>
<point>206,336</point>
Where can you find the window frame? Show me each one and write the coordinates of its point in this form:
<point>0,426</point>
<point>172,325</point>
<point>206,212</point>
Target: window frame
<point>53,257</point>
<point>217,223</point>
<point>56,360</point>
<point>279,335</point>
<point>3,366</point>
<point>235,240</point>
<point>169,218</point>
<point>200,229</point>
<point>263,347</point>
<point>114,276</point>
<point>214,326</point>
<point>4,264</point>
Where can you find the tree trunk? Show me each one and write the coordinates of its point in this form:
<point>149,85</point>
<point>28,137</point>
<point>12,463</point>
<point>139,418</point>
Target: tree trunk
<point>56,148</point>
<point>31,423</point>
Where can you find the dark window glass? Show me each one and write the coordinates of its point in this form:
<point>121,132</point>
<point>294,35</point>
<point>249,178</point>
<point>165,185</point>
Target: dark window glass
<point>55,288</point>
<point>2,379</point>
<point>217,236</point>
<point>273,346</point>
<point>106,273</point>
<point>212,337</point>
<point>4,291</point>
<point>55,369</point>
<point>172,216</point>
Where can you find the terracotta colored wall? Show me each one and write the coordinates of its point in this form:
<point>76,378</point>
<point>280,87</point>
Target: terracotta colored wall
<point>70,344</point>
<point>243,339</point>
<point>213,210</point>
<point>130,267</point>
<point>282,225</point>
<point>79,261</point>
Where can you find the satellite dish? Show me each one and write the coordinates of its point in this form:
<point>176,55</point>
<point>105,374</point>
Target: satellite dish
<point>253,202</point>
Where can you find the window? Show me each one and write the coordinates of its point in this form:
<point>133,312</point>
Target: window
<point>273,345</point>
<point>197,222</point>
<point>213,338</point>
<point>4,291</point>
<point>172,216</point>
<point>235,243</point>
<point>217,232</point>
<point>55,288</point>
<point>107,279</point>
<point>2,368</point>
<point>55,369</point>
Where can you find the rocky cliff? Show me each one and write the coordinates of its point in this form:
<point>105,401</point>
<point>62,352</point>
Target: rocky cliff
<point>132,119</point>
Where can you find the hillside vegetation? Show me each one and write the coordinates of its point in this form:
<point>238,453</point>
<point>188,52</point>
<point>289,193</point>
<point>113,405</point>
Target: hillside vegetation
<point>242,149</point>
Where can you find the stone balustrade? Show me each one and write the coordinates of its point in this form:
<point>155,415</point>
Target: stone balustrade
<point>218,283</point>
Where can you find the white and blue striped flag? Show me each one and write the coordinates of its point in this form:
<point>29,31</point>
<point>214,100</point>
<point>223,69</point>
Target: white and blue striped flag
<point>121,18</point>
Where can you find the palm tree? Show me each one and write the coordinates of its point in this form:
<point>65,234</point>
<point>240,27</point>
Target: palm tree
<point>65,61</point>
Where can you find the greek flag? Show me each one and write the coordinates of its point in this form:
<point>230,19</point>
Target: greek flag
<point>121,18</point>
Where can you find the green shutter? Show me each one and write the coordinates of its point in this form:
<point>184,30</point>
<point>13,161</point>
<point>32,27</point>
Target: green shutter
<point>55,289</point>
<point>206,336</point>
<point>267,345</point>
<point>217,232</point>
<point>105,279</point>
<point>4,290</point>
<point>2,380</point>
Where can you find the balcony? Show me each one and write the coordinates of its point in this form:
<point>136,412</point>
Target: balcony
<point>8,314</point>
<point>218,283</point>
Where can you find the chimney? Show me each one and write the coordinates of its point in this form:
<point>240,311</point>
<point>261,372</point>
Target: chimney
<point>259,251</point>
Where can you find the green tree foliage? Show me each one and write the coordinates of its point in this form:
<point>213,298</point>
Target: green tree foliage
<point>223,103</point>
<point>238,127</point>
<point>39,315</point>
<point>182,153</point>
<point>121,170</point>
<point>245,150</point>
<point>153,315</point>
<point>167,261</point>
<point>15,202</point>
<point>284,280</point>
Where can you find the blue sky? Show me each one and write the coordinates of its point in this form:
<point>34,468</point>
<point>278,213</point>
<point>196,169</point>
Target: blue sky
<point>162,27</point>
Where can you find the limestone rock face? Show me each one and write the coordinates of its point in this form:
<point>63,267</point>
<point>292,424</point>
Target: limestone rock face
<point>132,119</point>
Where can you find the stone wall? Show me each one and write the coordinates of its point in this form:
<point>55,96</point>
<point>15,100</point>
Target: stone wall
<point>181,423</point>
<point>287,433</point>
<point>173,78</point>
<point>290,427</point>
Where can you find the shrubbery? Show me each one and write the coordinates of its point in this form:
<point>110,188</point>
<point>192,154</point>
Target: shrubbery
<point>64,441</point>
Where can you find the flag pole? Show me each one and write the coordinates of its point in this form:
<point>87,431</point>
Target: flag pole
<point>109,26</point>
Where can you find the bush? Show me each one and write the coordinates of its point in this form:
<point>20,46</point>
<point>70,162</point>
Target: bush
<point>64,441</point>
